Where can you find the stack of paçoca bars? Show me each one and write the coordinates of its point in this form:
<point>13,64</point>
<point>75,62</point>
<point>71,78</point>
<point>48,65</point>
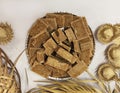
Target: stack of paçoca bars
<point>60,45</point>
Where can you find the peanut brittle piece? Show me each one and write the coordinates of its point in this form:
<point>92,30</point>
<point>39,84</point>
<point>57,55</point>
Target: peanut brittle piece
<point>49,51</point>
<point>51,22</point>
<point>59,18</point>
<point>68,48</point>
<point>57,73</point>
<point>68,19</point>
<point>41,70</point>
<point>77,69</point>
<point>79,29</point>
<point>32,59</point>
<point>85,56</point>
<point>41,55</point>
<point>76,54</point>
<point>40,38</point>
<point>50,43</point>
<point>75,17</point>
<point>59,35</point>
<point>29,42</point>
<point>31,51</point>
<point>66,42</point>
<point>57,63</point>
<point>86,25</point>
<point>66,55</point>
<point>70,34</point>
<point>76,46</point>
<point>37,27</point>
<point>35,63</point>
<point>55,36</point>
<point>49,46</point>
<point>86,44</point>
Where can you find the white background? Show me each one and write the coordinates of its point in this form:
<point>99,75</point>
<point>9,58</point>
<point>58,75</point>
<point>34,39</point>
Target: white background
<point>22,13</point>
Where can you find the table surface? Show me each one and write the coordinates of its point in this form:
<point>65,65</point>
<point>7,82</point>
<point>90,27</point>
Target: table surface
<point>22,13</point>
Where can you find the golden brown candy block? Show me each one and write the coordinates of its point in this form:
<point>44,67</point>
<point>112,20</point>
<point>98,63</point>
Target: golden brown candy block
<point>77,69</point>
<point>32,60</point>
<point>50,43</point>
<point>51,22</point>
<point>35,63</point>
<point>40,38</point>
<point>57,63</point>
<point>41,70</point>
<point>57,73</point>
<point>68,48</point>
<point>40,56</point>
<point>59,19</point>
<point>79,29</point>
<point>76,46</point>
<point>70,34</point>
<point>75,17</point>
<point>49,51</point>
<point>66,42</point>
<point>49,46</point>
<point>55,36</point>
<point>59,35</point>
<point>85,56</point>
<point>86,25</point>
<point>66,55</point>
<point>86,44</point>
<point>30,42</point>
<point>31,51</point>
<point>68,19</point>
<point>37,27</point>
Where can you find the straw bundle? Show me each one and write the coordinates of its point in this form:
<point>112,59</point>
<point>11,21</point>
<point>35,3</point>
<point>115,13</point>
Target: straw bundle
<point>69,86</point>
<point>9,77</point>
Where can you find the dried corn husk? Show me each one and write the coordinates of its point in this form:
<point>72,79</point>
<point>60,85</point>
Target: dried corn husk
<point>69,86</point>
<point>9,77</point>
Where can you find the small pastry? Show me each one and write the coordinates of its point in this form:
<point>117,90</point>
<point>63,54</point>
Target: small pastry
<point>116,64</point>
<point>106,72</point>
<point>105,33</point>
<point>113,53</point>
<point>116,39</point>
